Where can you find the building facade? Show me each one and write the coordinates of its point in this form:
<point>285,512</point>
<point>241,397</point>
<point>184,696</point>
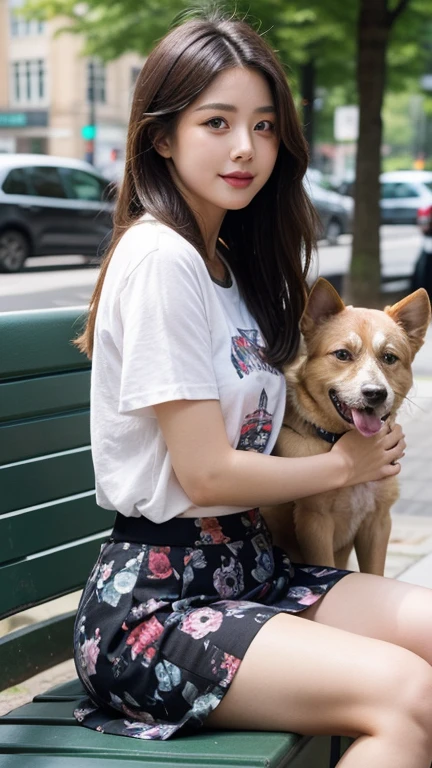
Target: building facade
<point>51,94</point>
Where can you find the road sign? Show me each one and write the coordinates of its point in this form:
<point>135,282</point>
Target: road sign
<point>346,120</point>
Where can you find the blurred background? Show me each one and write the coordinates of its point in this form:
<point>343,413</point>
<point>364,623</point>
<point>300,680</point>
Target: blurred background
<point>361,73</point>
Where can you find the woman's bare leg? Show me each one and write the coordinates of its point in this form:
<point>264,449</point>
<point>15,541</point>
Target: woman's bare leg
<point>311,678</point>
<point>384,609</point>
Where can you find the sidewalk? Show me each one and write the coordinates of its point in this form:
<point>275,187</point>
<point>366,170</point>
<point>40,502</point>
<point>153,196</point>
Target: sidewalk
<point>409,555</point>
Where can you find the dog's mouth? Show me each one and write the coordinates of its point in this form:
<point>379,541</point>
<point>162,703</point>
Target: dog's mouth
<point>365,420</point>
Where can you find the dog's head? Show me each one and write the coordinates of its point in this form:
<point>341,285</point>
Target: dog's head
<point>355,367</point>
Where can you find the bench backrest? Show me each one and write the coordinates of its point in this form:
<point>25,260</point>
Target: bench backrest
<point>50,526</point>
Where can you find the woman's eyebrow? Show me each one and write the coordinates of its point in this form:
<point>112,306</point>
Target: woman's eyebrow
<point>232,108</point>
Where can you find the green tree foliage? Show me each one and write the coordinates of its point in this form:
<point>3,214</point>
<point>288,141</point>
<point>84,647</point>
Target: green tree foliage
<point>324,30</point>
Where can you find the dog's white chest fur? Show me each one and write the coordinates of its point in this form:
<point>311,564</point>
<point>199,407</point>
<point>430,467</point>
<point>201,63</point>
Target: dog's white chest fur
<point>358,501</point>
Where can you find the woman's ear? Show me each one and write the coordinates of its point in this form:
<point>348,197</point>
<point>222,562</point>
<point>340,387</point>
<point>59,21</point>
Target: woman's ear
<point>161,144</point>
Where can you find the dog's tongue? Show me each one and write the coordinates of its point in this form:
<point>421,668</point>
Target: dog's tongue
<point>367,423</point>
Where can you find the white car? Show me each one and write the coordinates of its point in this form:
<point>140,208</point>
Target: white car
<point>402,194</point>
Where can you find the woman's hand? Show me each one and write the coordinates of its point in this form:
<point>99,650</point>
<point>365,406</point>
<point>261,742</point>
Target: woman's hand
<point>371,458</point>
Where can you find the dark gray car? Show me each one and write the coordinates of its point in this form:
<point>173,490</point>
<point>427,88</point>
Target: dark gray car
<point>335,211</point>
<point>51,206</point>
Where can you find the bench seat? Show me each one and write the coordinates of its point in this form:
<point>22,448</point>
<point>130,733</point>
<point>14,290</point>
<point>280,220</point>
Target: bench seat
<point>47,728</point>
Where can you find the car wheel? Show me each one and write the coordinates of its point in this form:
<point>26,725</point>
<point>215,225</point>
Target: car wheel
<point>334,229</point>
<point>14,250</point>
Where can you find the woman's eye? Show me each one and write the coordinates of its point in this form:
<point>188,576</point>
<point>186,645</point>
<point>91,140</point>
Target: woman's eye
<point>389,358</point>
<point>264,125</point>
<point>216,122</point>
<point>342,354</point>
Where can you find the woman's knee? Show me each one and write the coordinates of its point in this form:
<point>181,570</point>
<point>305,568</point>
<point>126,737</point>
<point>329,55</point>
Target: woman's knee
<point>405,700</point>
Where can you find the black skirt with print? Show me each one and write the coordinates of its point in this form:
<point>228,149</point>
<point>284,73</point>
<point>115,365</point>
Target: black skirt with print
<point>169,612</point>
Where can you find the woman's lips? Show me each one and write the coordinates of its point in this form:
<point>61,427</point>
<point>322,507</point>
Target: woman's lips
<point>240,181</point>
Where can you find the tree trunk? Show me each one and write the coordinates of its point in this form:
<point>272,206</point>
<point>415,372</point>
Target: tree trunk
<point>362,284</point>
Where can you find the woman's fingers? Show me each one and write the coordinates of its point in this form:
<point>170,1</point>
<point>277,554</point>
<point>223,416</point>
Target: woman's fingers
<point>394,437</point>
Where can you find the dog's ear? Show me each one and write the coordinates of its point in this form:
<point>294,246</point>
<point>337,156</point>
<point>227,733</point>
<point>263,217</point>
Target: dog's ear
<point>413,314</point>
<point>323,302</point>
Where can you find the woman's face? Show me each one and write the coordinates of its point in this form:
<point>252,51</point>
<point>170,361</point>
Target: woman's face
<point>229,129</point>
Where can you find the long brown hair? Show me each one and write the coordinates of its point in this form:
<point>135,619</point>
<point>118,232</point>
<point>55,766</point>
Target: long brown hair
<point>270,241</point>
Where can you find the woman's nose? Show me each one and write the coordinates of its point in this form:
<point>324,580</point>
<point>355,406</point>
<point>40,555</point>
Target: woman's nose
<point>243,149</point>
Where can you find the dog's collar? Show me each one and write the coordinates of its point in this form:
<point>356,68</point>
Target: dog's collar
<point>329,437</point>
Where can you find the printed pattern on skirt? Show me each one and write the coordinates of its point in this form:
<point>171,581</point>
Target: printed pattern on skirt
<point>161,630</point>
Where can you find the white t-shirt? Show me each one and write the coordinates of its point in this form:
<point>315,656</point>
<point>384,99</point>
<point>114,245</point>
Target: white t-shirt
<point>166,331</point>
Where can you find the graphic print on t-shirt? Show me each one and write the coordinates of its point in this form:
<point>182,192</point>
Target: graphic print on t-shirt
<point>247,354</point>
<point>256,428</point>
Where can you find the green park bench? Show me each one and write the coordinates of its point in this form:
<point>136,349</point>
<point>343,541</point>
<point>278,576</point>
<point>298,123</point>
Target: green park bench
<point>50,534</point>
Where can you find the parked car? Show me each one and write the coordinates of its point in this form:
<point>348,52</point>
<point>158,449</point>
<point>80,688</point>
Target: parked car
<point>335,211</point>
<point>51,206</point>
<point>403,193</point>
<point>422,274</point>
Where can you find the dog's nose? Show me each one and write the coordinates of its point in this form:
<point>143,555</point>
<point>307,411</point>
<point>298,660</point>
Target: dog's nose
<point>373,394</point>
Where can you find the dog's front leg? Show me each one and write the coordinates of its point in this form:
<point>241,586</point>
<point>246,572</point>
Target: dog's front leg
<point>314,532</point>
<point>372,540</point>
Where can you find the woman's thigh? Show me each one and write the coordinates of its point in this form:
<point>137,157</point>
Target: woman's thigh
<point>314,679</point>
<point>380,608</point>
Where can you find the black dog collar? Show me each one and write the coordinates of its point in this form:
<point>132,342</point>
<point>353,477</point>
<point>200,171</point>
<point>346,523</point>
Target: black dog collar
<point>329,437</point>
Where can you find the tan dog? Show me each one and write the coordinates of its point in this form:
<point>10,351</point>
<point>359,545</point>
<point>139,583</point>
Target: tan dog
<point>353,372</point>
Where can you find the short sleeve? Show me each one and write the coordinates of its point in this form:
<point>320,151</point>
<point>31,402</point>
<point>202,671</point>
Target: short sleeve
<point>167,350</point>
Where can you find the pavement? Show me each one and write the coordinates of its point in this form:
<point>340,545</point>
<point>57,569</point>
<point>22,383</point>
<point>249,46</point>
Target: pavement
<point>409,555</point>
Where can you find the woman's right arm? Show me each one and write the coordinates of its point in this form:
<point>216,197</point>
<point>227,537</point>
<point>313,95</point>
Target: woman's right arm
<point>212,473</point>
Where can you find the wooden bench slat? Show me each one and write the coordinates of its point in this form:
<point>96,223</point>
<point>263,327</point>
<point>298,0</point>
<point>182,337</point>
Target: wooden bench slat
<point>35,530</point>
<point>52,574</point>
<point>31,483</point>
<point>206,748</point>
<point>39,341</point>
<point>43,395</point>
<point>44,712</point>
<point>43,436</point>
<point>30,760</point>
<point>69,691</point>
<point>31,650</point>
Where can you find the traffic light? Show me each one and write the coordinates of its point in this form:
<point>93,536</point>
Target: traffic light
<point>88,132</point>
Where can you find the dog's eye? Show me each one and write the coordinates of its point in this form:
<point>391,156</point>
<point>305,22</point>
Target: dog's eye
<point>342,354</point>
<point>389,358</point>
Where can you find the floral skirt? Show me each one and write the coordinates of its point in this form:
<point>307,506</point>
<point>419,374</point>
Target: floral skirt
<point>169,612</point>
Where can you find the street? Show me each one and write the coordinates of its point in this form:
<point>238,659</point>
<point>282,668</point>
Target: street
<point>67,281</point>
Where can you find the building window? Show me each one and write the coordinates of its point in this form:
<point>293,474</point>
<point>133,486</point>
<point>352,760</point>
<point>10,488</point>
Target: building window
<point>21,27</point>
<point>96,82</point>
<point>41,79</point>
<point>29,82</point>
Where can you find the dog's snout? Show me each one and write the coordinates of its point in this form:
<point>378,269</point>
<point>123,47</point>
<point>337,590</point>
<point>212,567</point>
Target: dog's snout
<point>373,394</point>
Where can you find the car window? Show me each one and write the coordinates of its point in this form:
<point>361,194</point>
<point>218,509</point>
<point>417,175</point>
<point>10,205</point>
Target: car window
<point>387,191</point>
<point>46,181</point>
<point>15,182</point>
<point>428,184</point>
<point>82,185</point>
<point>405,190</point>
